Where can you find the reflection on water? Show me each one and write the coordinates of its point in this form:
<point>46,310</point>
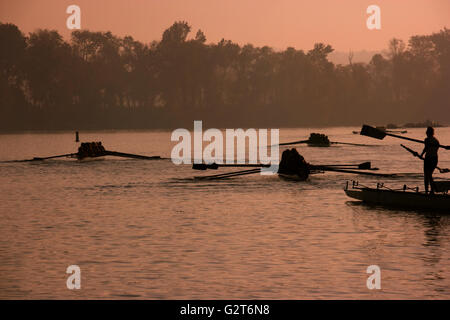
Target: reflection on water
<point>147,230</point>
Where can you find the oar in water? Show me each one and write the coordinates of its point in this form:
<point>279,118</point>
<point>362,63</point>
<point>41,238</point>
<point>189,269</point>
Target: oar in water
<point>416,154</point>
<point>203,166</point>
<point>352,144</point>
<point>312,167</point>
<point>331,142</point>
<point>334,168</point>
<point>293,142</point>
<point>228,175</point>
<point>54,157</point>
<point>45,158</point>
<point>104,153</point>
<point>309,141</point>
<point>361,166</point>
<point>380,134</point>
<point>322,168</point>
<point>130,155</point>
<point>214,166</point>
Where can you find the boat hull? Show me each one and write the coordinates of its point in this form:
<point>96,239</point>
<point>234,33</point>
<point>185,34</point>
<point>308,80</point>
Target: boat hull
<point>318,145</point>
<point>90,159</point>
<point>291,177</point>
<point>410,200</point>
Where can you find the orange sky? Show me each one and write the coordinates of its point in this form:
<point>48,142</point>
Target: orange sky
<point>280,23</point>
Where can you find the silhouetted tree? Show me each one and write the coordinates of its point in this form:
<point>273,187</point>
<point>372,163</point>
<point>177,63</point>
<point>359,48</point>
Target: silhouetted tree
<point>12,72</point>
<point>99,80</point>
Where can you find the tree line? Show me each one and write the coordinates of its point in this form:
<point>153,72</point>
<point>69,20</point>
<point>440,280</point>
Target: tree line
<point>97,80</point>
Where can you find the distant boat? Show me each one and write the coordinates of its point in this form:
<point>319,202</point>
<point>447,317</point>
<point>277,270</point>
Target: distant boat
<point>425,124</point>
<point>318,140</point>
<point>89,151</point>
<point>392,126</point>
<point>402,198</point>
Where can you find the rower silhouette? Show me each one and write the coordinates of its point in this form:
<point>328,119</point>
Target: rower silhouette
<point>293,163</point>
<point>431,159</point>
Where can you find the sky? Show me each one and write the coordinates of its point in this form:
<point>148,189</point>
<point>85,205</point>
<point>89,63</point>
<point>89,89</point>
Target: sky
<point>279,24</point>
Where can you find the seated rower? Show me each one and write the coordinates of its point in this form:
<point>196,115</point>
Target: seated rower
<point>293,163</point>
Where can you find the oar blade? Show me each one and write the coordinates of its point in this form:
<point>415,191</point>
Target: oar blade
<point>365,166</point>
<point>372,132</point>
<point>199,166</point>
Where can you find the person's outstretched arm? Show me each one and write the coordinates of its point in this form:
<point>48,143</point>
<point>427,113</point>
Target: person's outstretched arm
<point>424,150</point>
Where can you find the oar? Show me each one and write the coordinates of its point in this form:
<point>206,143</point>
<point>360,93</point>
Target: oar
<point>229,174</point>
<point>380,134</point>
<point>293,142</point>
<point>414,153</point>
<point>45,158</point>
<point>105,153</point>
<point>332,142</point>
<point>129,155</point>
<point>352,144</point>
<point>214,166</point>
<point>312,167</point>
<point>361,166</point>
<point>54,157</point>
<point>351,171</point>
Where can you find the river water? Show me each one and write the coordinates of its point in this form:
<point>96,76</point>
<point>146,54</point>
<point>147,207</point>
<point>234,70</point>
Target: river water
<point>146,230</point>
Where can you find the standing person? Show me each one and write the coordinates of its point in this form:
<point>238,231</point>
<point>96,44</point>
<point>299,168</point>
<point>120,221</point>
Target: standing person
<point>431,159</point>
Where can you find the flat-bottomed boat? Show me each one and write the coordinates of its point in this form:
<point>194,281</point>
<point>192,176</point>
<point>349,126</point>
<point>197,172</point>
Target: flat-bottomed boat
<point>403,198</point>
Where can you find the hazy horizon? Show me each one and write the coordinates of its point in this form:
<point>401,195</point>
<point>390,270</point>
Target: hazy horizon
<point>99,78</point>
<point>287,24</point>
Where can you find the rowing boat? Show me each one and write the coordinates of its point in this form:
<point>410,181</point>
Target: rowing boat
<point>90,159</point>
<point>403,198</point>
<point>86,158</point>
<point>292,177</point>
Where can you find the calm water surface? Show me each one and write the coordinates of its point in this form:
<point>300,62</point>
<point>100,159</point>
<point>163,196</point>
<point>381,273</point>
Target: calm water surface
<point>146,230</point>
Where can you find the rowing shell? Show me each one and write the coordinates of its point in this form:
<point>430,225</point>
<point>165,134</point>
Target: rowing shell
<point>291,177</point>
<point>402,199</point>
<point>89,159</point>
